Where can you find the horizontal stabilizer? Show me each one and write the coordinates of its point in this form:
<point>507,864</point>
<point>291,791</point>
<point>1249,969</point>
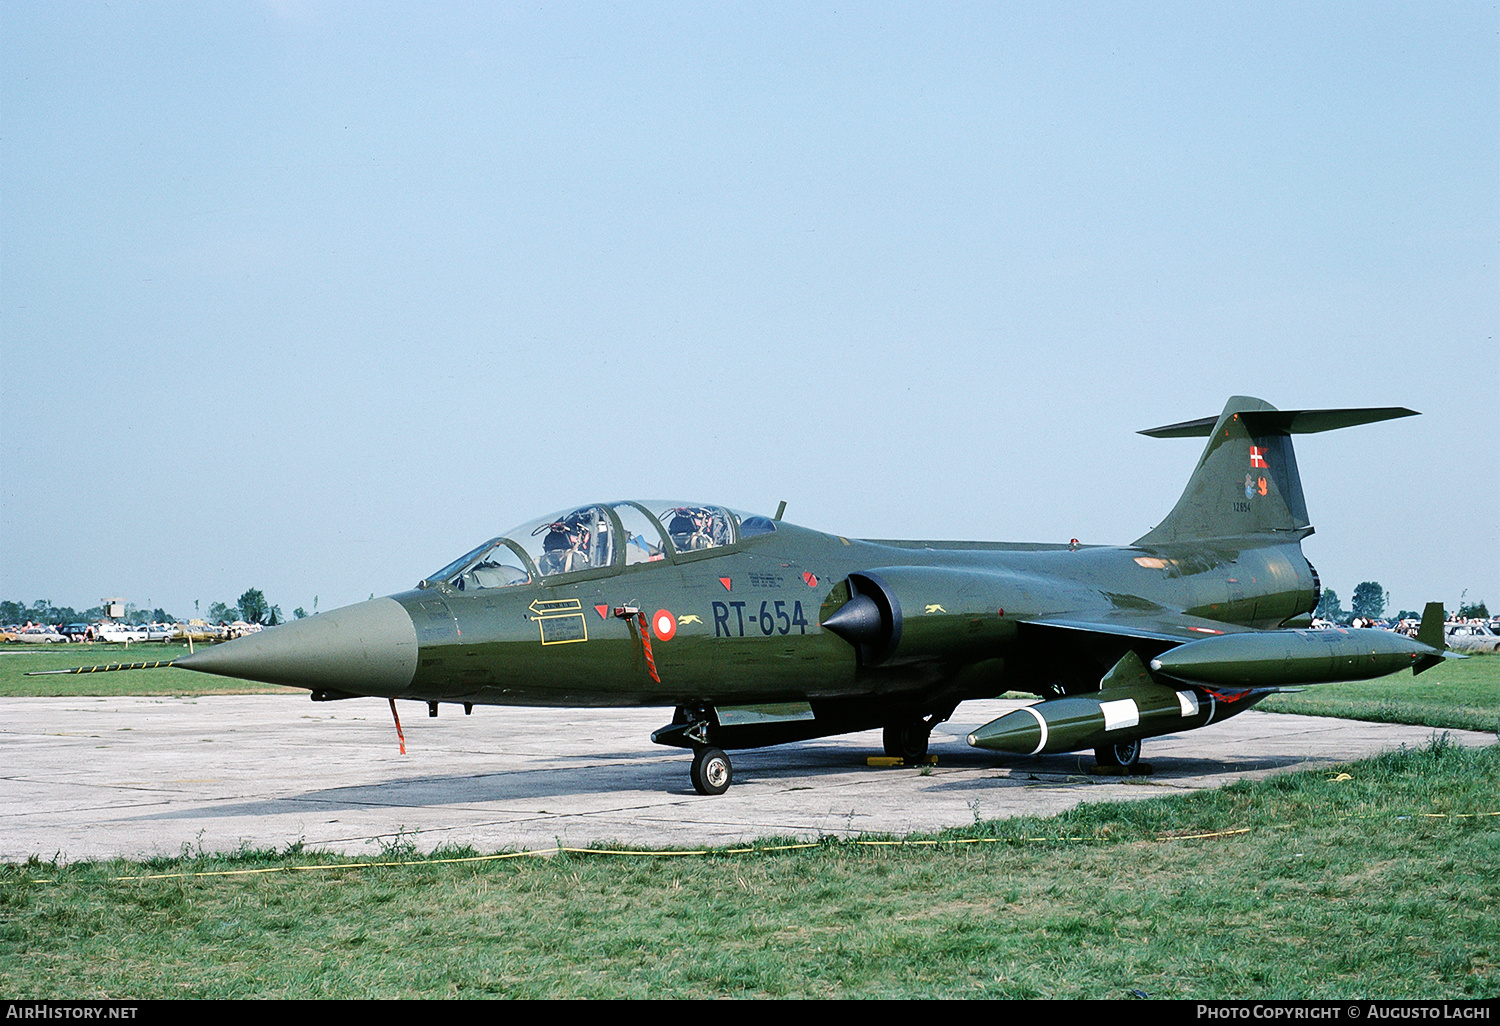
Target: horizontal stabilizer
<point>1200,428</point>
<point>1285,422</point>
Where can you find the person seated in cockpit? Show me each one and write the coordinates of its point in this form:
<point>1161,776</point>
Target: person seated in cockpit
<point>687,529</point>
<point>563,548</point>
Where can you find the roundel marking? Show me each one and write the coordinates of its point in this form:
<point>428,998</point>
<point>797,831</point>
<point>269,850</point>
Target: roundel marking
<point>664,625</point>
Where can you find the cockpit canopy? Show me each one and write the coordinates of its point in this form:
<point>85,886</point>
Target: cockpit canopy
<point>605,536</point>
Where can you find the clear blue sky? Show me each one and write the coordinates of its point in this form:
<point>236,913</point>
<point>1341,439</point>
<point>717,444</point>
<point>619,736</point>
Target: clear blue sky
<point>312,297</point>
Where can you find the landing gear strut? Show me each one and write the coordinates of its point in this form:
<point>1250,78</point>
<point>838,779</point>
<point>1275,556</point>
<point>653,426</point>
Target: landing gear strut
<point>712,772</point>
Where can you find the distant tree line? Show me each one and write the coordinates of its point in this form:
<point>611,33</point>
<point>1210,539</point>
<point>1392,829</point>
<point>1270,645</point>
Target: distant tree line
<point>252,608</point>
<point>43,611</point>
<point>1369,603</point>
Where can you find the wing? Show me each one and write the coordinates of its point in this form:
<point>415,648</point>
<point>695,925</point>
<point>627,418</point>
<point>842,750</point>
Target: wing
<point>1173,628</point>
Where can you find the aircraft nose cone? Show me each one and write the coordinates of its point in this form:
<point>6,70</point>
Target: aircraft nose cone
<point>368,648</point>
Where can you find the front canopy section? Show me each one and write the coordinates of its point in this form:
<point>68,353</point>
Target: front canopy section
<point>600,537</point>
<point>495,564</point>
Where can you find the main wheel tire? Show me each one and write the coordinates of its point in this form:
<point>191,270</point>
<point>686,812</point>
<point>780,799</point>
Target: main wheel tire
<point>1122,753</point>
<point>712,772</point>
<point>906,740</point>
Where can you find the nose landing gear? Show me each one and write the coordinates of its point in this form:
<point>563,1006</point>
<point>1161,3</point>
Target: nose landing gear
<point>712,771</point>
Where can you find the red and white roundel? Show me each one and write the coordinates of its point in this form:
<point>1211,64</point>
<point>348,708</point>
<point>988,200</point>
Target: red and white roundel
<point>663,625</point>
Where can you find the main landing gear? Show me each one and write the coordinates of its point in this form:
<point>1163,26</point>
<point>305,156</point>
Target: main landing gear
<point>712,772</point>
<point>908,739</point>
<point>1121,754</point>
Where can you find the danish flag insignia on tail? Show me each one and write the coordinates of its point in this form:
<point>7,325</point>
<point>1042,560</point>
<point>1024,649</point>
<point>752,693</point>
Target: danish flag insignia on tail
<point>1257,456</point>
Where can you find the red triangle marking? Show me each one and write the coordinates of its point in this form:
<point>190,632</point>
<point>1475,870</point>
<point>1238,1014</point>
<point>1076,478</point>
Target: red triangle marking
<point>603,612</point>
<point>724,581</point>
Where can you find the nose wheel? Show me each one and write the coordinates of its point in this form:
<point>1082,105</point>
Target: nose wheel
<point>712,772</point>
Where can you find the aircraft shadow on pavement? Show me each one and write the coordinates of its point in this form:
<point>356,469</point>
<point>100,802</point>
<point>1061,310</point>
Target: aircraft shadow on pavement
<point>659,772</point>
<point>1074,769</point>
<point>467,789</point>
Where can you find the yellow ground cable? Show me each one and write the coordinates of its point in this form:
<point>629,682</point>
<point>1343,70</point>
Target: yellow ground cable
<point>639,853</point>
<point>541,852</point>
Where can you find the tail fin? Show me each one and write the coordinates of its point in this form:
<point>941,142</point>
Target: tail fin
<point>1246,482</point>
<point>1430,633</point>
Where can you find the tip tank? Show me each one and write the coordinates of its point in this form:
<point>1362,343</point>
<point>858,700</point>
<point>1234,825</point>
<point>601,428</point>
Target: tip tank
<point>1278,658</point>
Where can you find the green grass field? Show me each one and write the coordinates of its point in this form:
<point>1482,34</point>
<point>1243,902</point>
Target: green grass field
<point>1375,882</point>
<point>17,660</point>
<point>1461,693</point>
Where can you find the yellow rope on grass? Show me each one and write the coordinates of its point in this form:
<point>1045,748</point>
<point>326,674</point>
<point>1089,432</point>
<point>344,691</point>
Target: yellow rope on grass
<point>646,853</point>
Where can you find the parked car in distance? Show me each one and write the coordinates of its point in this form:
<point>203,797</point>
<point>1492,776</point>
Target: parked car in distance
<point>121,632</point>
<point>1471,637</point>
<point>40,635</point>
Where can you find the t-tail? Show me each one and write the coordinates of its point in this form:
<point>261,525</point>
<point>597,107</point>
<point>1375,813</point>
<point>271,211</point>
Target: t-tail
<point>1246,482</point>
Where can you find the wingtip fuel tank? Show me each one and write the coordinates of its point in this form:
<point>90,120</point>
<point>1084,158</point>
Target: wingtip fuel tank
<point>1129,706</point>
<point>1269,659</point>
<point>1081,722</point>
<point>1133,703</point>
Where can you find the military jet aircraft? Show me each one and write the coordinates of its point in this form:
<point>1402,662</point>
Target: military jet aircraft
<point>757,632</point>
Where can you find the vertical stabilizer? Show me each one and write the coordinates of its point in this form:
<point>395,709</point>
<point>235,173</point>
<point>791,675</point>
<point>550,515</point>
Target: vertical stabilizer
<point>1430,633</point>
<point>1246,482</point>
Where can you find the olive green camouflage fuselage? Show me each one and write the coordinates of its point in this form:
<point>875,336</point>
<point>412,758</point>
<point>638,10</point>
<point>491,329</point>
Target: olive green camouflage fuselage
<point>746,621</point>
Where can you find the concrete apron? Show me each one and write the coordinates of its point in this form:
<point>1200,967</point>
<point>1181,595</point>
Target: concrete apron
<point>92,778</point>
